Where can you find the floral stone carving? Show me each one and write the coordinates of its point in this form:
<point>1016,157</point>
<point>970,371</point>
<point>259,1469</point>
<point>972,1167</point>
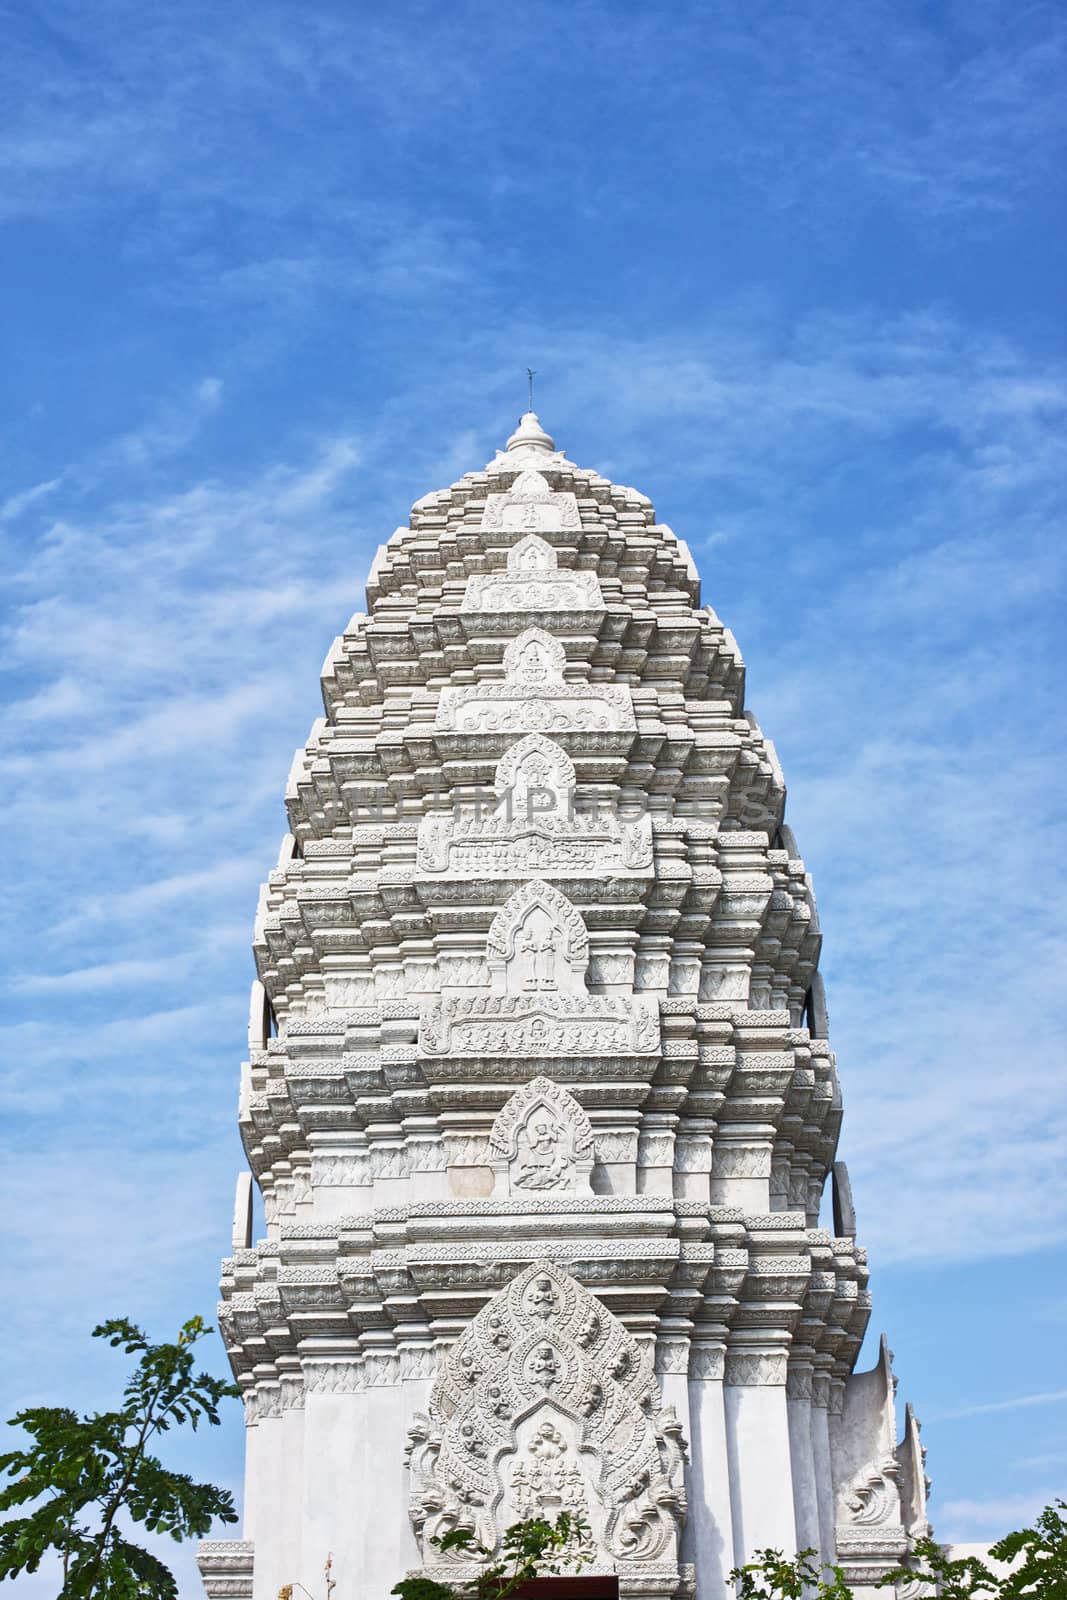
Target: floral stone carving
<point>541,1142</point>
<point>531,506</point>
<point>532,582</point>
<point>538,943</point>
<point>534,697</point>
<point>535,826</point>
<point>537,953</point>
<point>545,1403</point>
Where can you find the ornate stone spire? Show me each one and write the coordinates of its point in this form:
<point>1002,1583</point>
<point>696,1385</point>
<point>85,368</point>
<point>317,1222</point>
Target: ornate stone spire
<point>539,1094</point>
<point>529,435</point>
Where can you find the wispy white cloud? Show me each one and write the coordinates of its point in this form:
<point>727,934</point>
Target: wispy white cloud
<point>168,432</point>
<point>943,117</point>
<point>1052,1458</point>
<point>16,504</point>
<point>133,972</point>
<point>1020,1403</point>
<point>964,1521</point>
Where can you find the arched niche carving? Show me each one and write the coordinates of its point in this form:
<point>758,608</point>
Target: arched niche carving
<point>541,1143</point>
<point>532,554</point>
<point>537,943</point>
<point>535,777</point>
<point>530,485</point>
<point>535,658</point>
<point>545,1403</point>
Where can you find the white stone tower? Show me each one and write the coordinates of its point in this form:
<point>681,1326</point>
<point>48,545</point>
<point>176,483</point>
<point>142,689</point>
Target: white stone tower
<point>539,1093</point>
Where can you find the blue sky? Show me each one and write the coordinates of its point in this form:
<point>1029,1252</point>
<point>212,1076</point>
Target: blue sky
<point>793,269</point>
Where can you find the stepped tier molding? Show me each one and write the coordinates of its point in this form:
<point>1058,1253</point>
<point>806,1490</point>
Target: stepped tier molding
<point>539,1096</point>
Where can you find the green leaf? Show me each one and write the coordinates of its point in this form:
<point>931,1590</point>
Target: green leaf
<point>81,1474</point>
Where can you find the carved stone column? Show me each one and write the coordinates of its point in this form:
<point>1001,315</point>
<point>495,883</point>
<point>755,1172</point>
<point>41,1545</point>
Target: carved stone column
<point>757,1431</point>
<point>335,1442</point>
<point>655,1154</point>
<point>741,1167</point>
<point>709,1537</point>
<point>799,1381</point>
<point>820,1446</point>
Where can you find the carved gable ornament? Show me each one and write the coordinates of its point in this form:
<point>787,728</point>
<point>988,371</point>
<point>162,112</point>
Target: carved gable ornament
<point>531,505</point>
<point>534,767</point>
<point>538,943</point>
<point>534,696</point>
<point>537,1005</point>
<point>531,485</point>
<point>536,826</point>
<point>867,1470</point>
<point>531,583</point>
<point>541,1143</point>
<point>545,1403</point>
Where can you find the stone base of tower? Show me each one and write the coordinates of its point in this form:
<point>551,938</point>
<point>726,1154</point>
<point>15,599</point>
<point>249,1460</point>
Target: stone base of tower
<point>226,1567</point>
<point>685,1456</point>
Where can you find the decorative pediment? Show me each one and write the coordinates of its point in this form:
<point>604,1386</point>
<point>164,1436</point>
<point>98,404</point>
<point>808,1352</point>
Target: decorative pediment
<point>532,554</point>
<point>545,1403</point>
<point>535,659</point>
<point>533,771</point>
<point>535,826</point>
<point>531,505</point>
<point>534,696</point>
<point>538,943</point>
<point>537,1005</point>
<point>532,582</point>
<point>541,1142</point>
<point>531,485</point>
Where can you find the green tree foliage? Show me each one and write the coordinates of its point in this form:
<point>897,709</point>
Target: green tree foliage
<point>774,1576</point>
<point>532,1549</point>
<point>1037,1558</point>
<point>87,1476</point>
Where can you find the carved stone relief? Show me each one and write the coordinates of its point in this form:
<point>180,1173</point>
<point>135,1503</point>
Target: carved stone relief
<point>539,1027</point>
<point>531,506</point>
<point>540,1142</point>
<point>532,582</point>
<point>546,1403</point>
<point>535,826</point>
<point>534,697</point>
<point>546,1479</point>
<point>538,944</point>
<point>534,767</point>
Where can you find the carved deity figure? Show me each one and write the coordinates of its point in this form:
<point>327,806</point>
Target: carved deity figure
<point>542,1159</point>
<point>541,1141</point>
<point>547,1481</point>
<point>532,662</point>
<point>541,948</point>
<point>544,1368</point>
<point>542,1299</point>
